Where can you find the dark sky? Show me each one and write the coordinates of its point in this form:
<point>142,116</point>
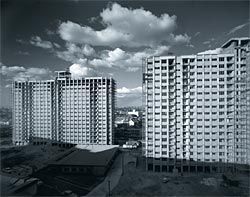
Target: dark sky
<point>207,25</point>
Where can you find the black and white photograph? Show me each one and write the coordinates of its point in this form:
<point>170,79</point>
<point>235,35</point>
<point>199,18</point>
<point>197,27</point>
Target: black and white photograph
<point>126,98</point>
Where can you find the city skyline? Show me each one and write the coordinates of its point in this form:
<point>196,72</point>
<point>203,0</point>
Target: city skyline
<point>92,38</point>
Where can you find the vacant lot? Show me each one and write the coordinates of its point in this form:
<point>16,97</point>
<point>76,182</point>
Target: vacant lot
<point>138,182</point>
<point>35,157</point>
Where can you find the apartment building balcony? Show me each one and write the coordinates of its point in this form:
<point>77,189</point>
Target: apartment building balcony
<point>171,68</point>
<point>185,69</point>
<point>230,86</point>
<point>186,114</point>
<point>231,82</point>
<point>186,128</point>
<point>172,103</point>
<point>186,148</point>
<point>150,135</point>
<point>172,96</point>
<point>186,117</point>
<point>186,135</point>
<point>230,59</point>
<point>172,118</point>
<point>185,142</point>
<point>186,122</point>
<point>172,115</point>
<point>172,128</point>
<point>172,150</point>
<point>230,91</point>
<point>171,122</point>
<point>171,81</point>
<point>172,155</point>
<point>172,109</point>
<point>172,90</point>
<point>231,122</point>
<point>231,95</point>
<point>186,75</point>
<point>185,82</point>
<point>186,95</point>
<point>186,102</point>
<point>230,73</point>
<point>230,107</point>
<point>230,78</point>
<point>186,89</point>
<point>186,109</point>
<point>230,66</point>
<point>230,113</point>
<point>171,86</point>
<point>171,143</point>
<point>149,154</point>
<point>171,76</point>
<point>230,136</point>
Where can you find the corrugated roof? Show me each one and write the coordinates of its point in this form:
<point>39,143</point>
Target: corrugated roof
<point>79,157</point>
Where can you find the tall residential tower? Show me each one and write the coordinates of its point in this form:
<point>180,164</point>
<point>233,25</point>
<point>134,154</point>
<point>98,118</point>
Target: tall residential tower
<point>77,111</point>
<point>196,110</point>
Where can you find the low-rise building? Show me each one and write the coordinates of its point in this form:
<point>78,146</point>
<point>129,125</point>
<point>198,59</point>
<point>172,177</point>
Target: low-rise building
<point>90,160</point>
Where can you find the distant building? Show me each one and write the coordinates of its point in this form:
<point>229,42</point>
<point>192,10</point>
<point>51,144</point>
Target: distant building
<point>131,144</point>
<point>77,111</point>
<point>131,122</point>
<point>120,121</point>
<point>4,123</point>
<point>197,110</point>
<point>136,113</point>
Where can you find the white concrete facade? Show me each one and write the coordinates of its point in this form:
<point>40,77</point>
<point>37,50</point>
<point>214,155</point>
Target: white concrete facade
<point>196,108</point>
<point>77,111</point>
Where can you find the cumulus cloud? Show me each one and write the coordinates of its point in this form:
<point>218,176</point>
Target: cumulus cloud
<point>38,42</point>
<point>212,51</point>
<point>125,27</point>
<point>129,96</point>
<point>129,61</point>
<point>128,36</point>
<point>19,73</point>
<point>75,53</point>
<point>122,92</point>
<point>116,55</point>
<point>78,71</point>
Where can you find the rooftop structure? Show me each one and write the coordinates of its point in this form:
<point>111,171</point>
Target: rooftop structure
<point>94,160</point>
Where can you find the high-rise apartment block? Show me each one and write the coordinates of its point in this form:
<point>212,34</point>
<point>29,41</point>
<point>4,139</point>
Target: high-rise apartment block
<point>197,110</point>
<point>76,111</point>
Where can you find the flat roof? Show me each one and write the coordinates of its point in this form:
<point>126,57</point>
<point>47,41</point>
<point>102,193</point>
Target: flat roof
<point>227,43</point>
<point>85,157</point>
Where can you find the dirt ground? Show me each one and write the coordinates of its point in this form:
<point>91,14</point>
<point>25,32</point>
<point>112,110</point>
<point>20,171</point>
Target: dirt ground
<point>137,182</point>
<point>31,156</point>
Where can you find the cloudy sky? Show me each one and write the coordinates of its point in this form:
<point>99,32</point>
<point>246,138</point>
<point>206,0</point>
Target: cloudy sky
<point>101,38</point>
